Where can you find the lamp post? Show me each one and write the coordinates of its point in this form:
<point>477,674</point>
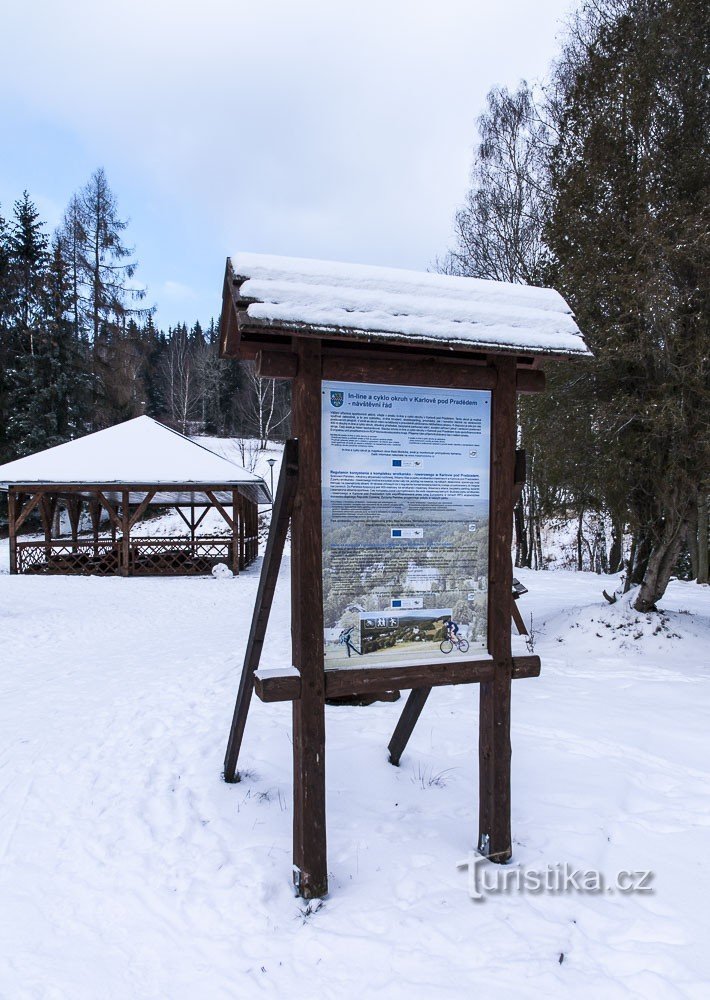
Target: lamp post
<point>272,463</point>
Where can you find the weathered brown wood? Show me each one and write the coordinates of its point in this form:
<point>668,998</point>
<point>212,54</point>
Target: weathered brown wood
<point>407,721</point>
<point>47,507</point>
<point>529,380</point>
<point>186,520</point>
<point>494,750</point>
<point>518,619</point>
<point>142,507</point>
<point>309,833</point>
<point>116,521</point>
<point>95,515</point>
<point>74,512</point>
<point>12,504</point>
<point>202,516</point>
<point>33,502</point>
<point>215,503</point>
<point>236,560</point>
<point>407,371</point>
<point>125,561</point>
<point>280,517</point>
<point>281,687</point>
<point>276,364</point>
<point>366,679</point>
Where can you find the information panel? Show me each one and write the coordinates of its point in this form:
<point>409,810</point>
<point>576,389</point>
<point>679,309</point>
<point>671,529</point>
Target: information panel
<point>405,494</point>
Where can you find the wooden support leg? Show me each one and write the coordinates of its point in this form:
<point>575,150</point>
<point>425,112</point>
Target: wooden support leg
<point>407,721</point>
<point>283,505</point>
<point>494,751</point>
<point>309,833</point>
<point>518,619</point>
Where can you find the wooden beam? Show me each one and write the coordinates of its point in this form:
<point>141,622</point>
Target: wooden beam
<point>125,562</point>
<point>362,680</point>
<point>406,723</point>
<point>276,364</point>
<point>27,509</point>
<point>518,619</point>
<point>277,686</point>
<point>309,833</point>
<point>142,507</point>
<point>185,519</point>
<point>215,503</point>
<point>203,515</point>
<point>494,751</point>
<point>530,380</point>
<point>409,371</point>
<point>110,510</point>
<point>280,517</point>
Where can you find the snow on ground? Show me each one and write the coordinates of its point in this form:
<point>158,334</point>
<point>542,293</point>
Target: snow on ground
<point>128,869</point>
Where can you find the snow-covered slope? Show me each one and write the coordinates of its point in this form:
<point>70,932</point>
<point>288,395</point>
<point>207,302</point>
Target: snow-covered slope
<point>128,869</point>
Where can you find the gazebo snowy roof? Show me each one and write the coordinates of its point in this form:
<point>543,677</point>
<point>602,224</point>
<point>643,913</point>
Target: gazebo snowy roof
<point>138,454</point>
<point>267,295</point>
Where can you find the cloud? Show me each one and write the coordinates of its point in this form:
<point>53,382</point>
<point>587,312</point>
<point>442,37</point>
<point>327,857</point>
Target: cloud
<point>308,127</point>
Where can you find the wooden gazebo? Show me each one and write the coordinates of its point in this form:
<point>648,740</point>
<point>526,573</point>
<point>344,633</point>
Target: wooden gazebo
<point>117,474</point>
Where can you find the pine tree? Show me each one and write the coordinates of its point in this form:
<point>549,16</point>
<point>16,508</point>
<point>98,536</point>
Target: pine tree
<point>26,269</point>
<point>630,176</point>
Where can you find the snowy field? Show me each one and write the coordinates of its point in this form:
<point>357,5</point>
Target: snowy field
<point>128,869</point>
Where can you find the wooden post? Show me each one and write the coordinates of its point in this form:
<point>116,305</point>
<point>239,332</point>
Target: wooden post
<point>95,514</point>
<point>47,506</point>
<point>309,835</point>
<point>494,838</point>
<point>236,520</point>
<point>280,518</point>
<point>242,553</point>
<point>74,511</point>
<point>125,566</point>
<point>12,502</point>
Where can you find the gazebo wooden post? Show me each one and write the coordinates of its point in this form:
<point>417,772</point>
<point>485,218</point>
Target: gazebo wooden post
<point>47,506</point>
<point>95,514</point>
<point>236,522</point>
<point>309,835</point>
<point>12,505</point>
<point>125,555</point>
<point>74,512</point>
<point>494,750</point>
<point>192,529</point>
<point>242,553</point>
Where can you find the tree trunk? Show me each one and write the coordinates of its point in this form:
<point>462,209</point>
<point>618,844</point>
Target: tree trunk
<point>702,537</point>
<point>616,560</point>
<point>521,536</point>
<point>642,552</point>
<point>692,537</point>
<point>661,563</point>
<point>580,542</point>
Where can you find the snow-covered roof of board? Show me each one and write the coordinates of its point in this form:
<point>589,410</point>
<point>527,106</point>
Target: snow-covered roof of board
<point>385,305</point>
<point>137,452</point>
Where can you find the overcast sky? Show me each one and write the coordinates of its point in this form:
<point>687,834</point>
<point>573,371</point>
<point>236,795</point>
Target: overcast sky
<point>316,128</point>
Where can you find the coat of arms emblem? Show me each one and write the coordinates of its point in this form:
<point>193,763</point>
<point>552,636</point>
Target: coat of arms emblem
<point>336,398</point>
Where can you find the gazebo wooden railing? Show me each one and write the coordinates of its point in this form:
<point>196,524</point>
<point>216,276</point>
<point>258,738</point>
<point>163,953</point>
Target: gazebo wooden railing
<point>121,553</point>
<point>116,475</point>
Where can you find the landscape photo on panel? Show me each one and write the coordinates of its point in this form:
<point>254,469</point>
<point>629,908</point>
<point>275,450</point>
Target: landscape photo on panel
<point>405,502</point>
